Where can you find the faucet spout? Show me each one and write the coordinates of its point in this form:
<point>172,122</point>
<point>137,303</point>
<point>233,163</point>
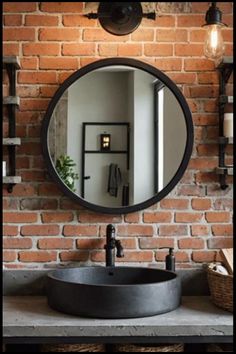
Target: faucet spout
<point>111,245</point>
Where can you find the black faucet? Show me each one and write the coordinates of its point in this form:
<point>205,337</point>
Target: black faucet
<point>111,245</point>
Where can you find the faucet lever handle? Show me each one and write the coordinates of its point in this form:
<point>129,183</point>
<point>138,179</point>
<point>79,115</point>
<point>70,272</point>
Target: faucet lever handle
<point>120,250</point>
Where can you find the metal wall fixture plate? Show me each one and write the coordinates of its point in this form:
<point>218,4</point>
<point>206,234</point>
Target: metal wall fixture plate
<point>120,18</point>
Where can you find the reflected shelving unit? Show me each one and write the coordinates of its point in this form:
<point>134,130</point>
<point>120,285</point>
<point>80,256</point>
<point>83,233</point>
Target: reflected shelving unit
<point>12,102</point>
<point>225,69</point>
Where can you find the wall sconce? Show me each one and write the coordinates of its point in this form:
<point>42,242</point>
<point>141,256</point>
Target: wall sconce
<point>105,142</point>
<point>120,18</point>
<point>214,44</point>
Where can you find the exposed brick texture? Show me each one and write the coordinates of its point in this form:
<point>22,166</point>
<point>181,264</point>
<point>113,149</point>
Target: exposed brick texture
<point>41,226</point>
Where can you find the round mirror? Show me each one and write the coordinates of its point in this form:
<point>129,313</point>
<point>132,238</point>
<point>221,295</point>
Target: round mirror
<point>117,135</point>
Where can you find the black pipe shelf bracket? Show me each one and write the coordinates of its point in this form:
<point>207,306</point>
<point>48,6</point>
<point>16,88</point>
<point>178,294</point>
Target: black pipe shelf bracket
<point>225,69</point>
<point>12,102</point>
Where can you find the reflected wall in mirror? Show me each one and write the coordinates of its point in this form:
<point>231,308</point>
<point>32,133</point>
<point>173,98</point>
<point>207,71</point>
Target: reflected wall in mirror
<point>123,133</point>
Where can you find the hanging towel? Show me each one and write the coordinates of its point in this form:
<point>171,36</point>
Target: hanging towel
<point>114,180</point>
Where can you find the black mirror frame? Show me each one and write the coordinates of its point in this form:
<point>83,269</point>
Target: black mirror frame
<point>189,126</point>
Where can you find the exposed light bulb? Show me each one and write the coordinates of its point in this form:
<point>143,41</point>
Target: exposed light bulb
<point>214,45</point>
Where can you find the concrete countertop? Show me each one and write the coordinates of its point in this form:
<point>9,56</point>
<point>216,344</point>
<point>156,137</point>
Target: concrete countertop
<point>30,316</point>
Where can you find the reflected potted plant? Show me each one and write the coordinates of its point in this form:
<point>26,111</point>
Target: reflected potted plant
<point>64,167</point>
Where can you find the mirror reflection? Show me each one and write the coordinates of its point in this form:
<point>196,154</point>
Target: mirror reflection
<point>117,136</point>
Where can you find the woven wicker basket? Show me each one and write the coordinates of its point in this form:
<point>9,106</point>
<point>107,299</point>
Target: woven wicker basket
<point>73,348</point>
<point>145,348</point>
<point>221,289</point>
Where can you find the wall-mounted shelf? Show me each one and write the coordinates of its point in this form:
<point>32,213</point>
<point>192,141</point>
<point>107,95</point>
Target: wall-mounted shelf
<point>11,141</point>
<point>12,102</point>
<point>225,69</point>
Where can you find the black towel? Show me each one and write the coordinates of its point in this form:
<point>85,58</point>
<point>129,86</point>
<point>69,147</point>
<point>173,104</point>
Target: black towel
<point>114,180</point>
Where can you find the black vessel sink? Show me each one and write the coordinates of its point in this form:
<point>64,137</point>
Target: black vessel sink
<point>113,292</point>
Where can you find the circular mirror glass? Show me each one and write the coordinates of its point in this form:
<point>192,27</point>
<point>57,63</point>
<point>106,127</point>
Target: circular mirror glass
<point>117,135</point>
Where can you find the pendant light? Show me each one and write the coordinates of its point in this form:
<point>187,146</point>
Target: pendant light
<point>214,45</point>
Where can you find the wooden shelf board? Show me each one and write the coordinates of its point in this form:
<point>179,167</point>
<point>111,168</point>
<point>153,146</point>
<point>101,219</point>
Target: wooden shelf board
<point>11,179</point>
<point>11,141</point>
<point>11,100</point>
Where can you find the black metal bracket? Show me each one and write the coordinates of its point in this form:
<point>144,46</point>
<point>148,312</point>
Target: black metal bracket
<point>94,16</point>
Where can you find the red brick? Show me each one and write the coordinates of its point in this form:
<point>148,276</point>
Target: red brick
<point>34,132</point>
<point>49,189</point>
<point>11,49</point>
<point>157,217</point>
<point>170,64</point>
<point>180,256</point>
<point>22,162</point>
<point>200,230</point>
<point>55,243</point>
<point>17,243</point>
<point>78,21</point>
<point>208,78</point>
<point>155,242</point>
<point>183,78</point>
<point>28,64</point>
<point>13,20</point>
<point>204,256</point>
<point>196,191</point>
<point>61,7</point>
<point>34,105</point>
<point>37,176</point>
<point>40,230</point>
<point>78,49</point>
<point>22,190</point>
<point>223,204</point>
<point>107,50</point>
<point>79,256</point>
<point>95,218</point>
<point>46,49</point>
<point>20,217</point>
<point>161,21</point>
<point>205,119</point>
<point>68,204</point>
<point>58,63</point>
<point>41,20</point>
<point>211,106</point>
<point>99,35</point>
<point>42,77</point>
<point>30,148</point>
<point>201,204</point>
<point>222,230</point>
<point>158,50</point>
<point>225,7</point>
<point>63,75</point>
<point>59,34</point>
<point>203,91</point>
<point>220,242</point>
<point>9,256</point>
<point>192,50</point>
<point>174,203</point>
<point>98,243</point>
<point>142,35</point>
<point>19,6</point>
<point>171,35</point>
<point>198,35</point>
<point>189,20</point>
<point>57,217</point>
<point>37,256</point>
<point>38,204</point>
<point>217,216</point>
<point>173,230</point>
<point>47,91</point>
<point>21,34</point>
<point>191,243</point>
<point>199,65</point>
<point>80,230</point>
<point>134,230</point>
<point>9,230</point>
<point>10,204</point>
<point>132,217</point>
<point>202,163</point>
<point>129,49</point>
<point>188,217</point>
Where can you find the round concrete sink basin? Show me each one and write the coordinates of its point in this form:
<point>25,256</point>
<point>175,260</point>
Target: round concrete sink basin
<point>113,292</point>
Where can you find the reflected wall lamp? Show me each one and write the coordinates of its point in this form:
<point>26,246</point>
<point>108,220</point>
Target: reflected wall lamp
<point>120,18</point>
<point>214,45</point>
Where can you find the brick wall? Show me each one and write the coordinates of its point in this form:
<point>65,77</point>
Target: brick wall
<point>41,226</point>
